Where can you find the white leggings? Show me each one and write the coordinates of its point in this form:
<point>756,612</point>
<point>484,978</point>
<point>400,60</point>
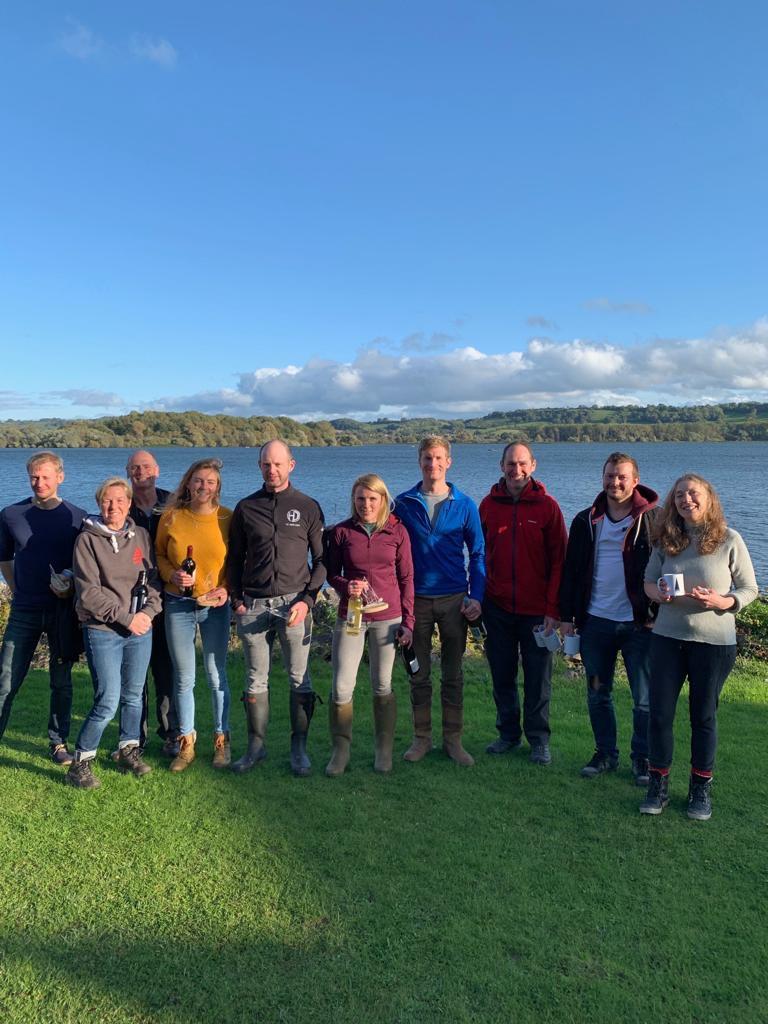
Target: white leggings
<point>347,651</point>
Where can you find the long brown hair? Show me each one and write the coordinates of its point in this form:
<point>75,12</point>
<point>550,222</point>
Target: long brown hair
<point>669,532</point>
<point>182,496</point>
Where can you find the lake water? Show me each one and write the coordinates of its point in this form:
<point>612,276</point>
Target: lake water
<point>571,473</point>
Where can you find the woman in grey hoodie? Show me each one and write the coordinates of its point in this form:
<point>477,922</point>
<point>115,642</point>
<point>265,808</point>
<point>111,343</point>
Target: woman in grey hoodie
<point>117,598</point>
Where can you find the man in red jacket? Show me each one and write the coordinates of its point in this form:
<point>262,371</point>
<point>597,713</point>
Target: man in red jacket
<point>525,541</point>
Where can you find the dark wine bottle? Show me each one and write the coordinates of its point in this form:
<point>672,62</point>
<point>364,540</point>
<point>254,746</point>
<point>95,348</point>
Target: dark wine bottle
<point>140,593</point>
<point>188,566</point>
<point>410,660</point>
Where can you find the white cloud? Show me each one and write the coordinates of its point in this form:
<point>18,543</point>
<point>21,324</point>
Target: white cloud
<point>90,397</point>
<point>466,381</point>
<point>542,322</point>
<point>603,305</point>
<point>80,42</point>
<point>157,51</point>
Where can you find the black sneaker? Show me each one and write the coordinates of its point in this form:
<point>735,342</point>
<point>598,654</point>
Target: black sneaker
<point>540,754</point>
<point>598,764</point>
<point>640,771</point>
<point>130,760</point>
<point>700,800</point>
<point>657,797</point>
<point>60,754</point>
<point>502,746</point>
<point>80,775</point>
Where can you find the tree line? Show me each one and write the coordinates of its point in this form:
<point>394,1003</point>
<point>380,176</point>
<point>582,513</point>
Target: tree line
<point>738,421</point>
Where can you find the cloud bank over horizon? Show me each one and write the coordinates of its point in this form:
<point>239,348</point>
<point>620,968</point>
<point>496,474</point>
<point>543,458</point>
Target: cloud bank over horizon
<point>462,381</point>
<point>439,376</point>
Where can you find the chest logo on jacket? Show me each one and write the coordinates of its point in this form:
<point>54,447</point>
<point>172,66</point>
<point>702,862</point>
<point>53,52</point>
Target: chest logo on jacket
<point>137,556</point>
<point>293,516</point>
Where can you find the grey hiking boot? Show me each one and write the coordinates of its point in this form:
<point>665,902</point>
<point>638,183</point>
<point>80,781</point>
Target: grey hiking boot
<point>502,746</point>
<point>700,799</point>
<point>657,797</point>
<point>598,764</point>
<point>540,754</point>
<point>640,771</point>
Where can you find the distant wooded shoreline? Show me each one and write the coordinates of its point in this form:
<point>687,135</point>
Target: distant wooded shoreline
<point>738,421</point>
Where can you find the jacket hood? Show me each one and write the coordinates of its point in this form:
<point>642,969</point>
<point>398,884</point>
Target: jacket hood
<point>643,499</point>
<point>95,525</point>
<point>533,491</point>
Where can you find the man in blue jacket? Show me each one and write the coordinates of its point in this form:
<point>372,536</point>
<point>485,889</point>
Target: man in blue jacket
<point>441,522</point>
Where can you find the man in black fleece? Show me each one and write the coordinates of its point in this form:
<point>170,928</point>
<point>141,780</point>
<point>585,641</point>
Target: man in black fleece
<point>602,595</point>
<point>273,587</point>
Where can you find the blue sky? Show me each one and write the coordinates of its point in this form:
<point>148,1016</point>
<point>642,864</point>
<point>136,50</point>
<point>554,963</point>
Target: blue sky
<point>381,208</point>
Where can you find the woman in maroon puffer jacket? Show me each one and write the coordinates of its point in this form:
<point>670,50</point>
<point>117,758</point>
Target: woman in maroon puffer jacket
<point>368,554</point>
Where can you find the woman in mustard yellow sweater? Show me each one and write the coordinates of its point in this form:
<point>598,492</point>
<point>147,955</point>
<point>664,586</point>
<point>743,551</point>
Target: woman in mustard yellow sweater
<point>195,526</point>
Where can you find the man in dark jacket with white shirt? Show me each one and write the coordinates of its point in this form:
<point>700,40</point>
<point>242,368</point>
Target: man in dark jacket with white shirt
<point>602,597</point>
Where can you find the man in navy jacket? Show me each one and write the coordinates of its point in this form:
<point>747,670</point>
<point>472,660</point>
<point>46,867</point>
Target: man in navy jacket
<point>37,537</point>
<point>441,522</point>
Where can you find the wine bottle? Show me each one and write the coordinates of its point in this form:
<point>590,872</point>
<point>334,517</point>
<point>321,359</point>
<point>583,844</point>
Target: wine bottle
<point>140,593</point>
<point>354,616</point>
<point>410,660</point>
<point>477,626</point>
<point>188,566</point>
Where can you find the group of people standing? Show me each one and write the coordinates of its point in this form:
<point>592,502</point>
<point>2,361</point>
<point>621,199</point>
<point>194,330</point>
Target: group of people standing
<point>660,585</point>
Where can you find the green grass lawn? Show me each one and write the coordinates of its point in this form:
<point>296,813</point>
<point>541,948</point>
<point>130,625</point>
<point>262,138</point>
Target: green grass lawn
<point>502,893</point>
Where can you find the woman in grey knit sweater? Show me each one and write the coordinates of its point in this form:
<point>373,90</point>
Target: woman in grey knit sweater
<point>694,636</point>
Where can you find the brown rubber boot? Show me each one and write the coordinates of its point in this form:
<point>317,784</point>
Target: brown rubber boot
<point>222,755</point>
<point>384,720</point>
<point>341,734</point>
<point>186,754</point>
<point>422,733</point>
<point>453,726</point>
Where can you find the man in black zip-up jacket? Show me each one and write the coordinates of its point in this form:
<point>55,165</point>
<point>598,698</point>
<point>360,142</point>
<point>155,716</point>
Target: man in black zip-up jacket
<point>602,595</point>
<point>272,588</point>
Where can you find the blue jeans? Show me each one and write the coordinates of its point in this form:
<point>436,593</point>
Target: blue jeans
<point>266,618</point>
<point>118,666</point>
<point>601,642</point>
<point>22,633</point>
<point>509,641</point>
<point>182,618</point>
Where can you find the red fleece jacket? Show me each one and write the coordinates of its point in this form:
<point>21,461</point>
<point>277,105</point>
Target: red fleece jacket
<point>525,543</point>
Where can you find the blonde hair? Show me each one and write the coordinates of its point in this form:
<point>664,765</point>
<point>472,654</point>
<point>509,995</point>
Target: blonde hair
<point>669,531</point>
<point>372,482</point>
<point>39,457</point>
<point>435,441</point>
<point>182,496</point>
<point>113,481</point>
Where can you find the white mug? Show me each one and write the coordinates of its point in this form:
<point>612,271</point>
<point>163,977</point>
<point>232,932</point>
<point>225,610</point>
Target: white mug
<point>673,584</point>
<point>538,636</point>
<point>571,644</point>
<point>552,641</point>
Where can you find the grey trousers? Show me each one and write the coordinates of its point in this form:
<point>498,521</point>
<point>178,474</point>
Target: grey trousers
<point>347,652</point>
<point>265,619</point>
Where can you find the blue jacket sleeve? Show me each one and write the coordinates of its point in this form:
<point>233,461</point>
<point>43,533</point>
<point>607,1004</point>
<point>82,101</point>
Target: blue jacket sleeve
<point>473,538</point>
